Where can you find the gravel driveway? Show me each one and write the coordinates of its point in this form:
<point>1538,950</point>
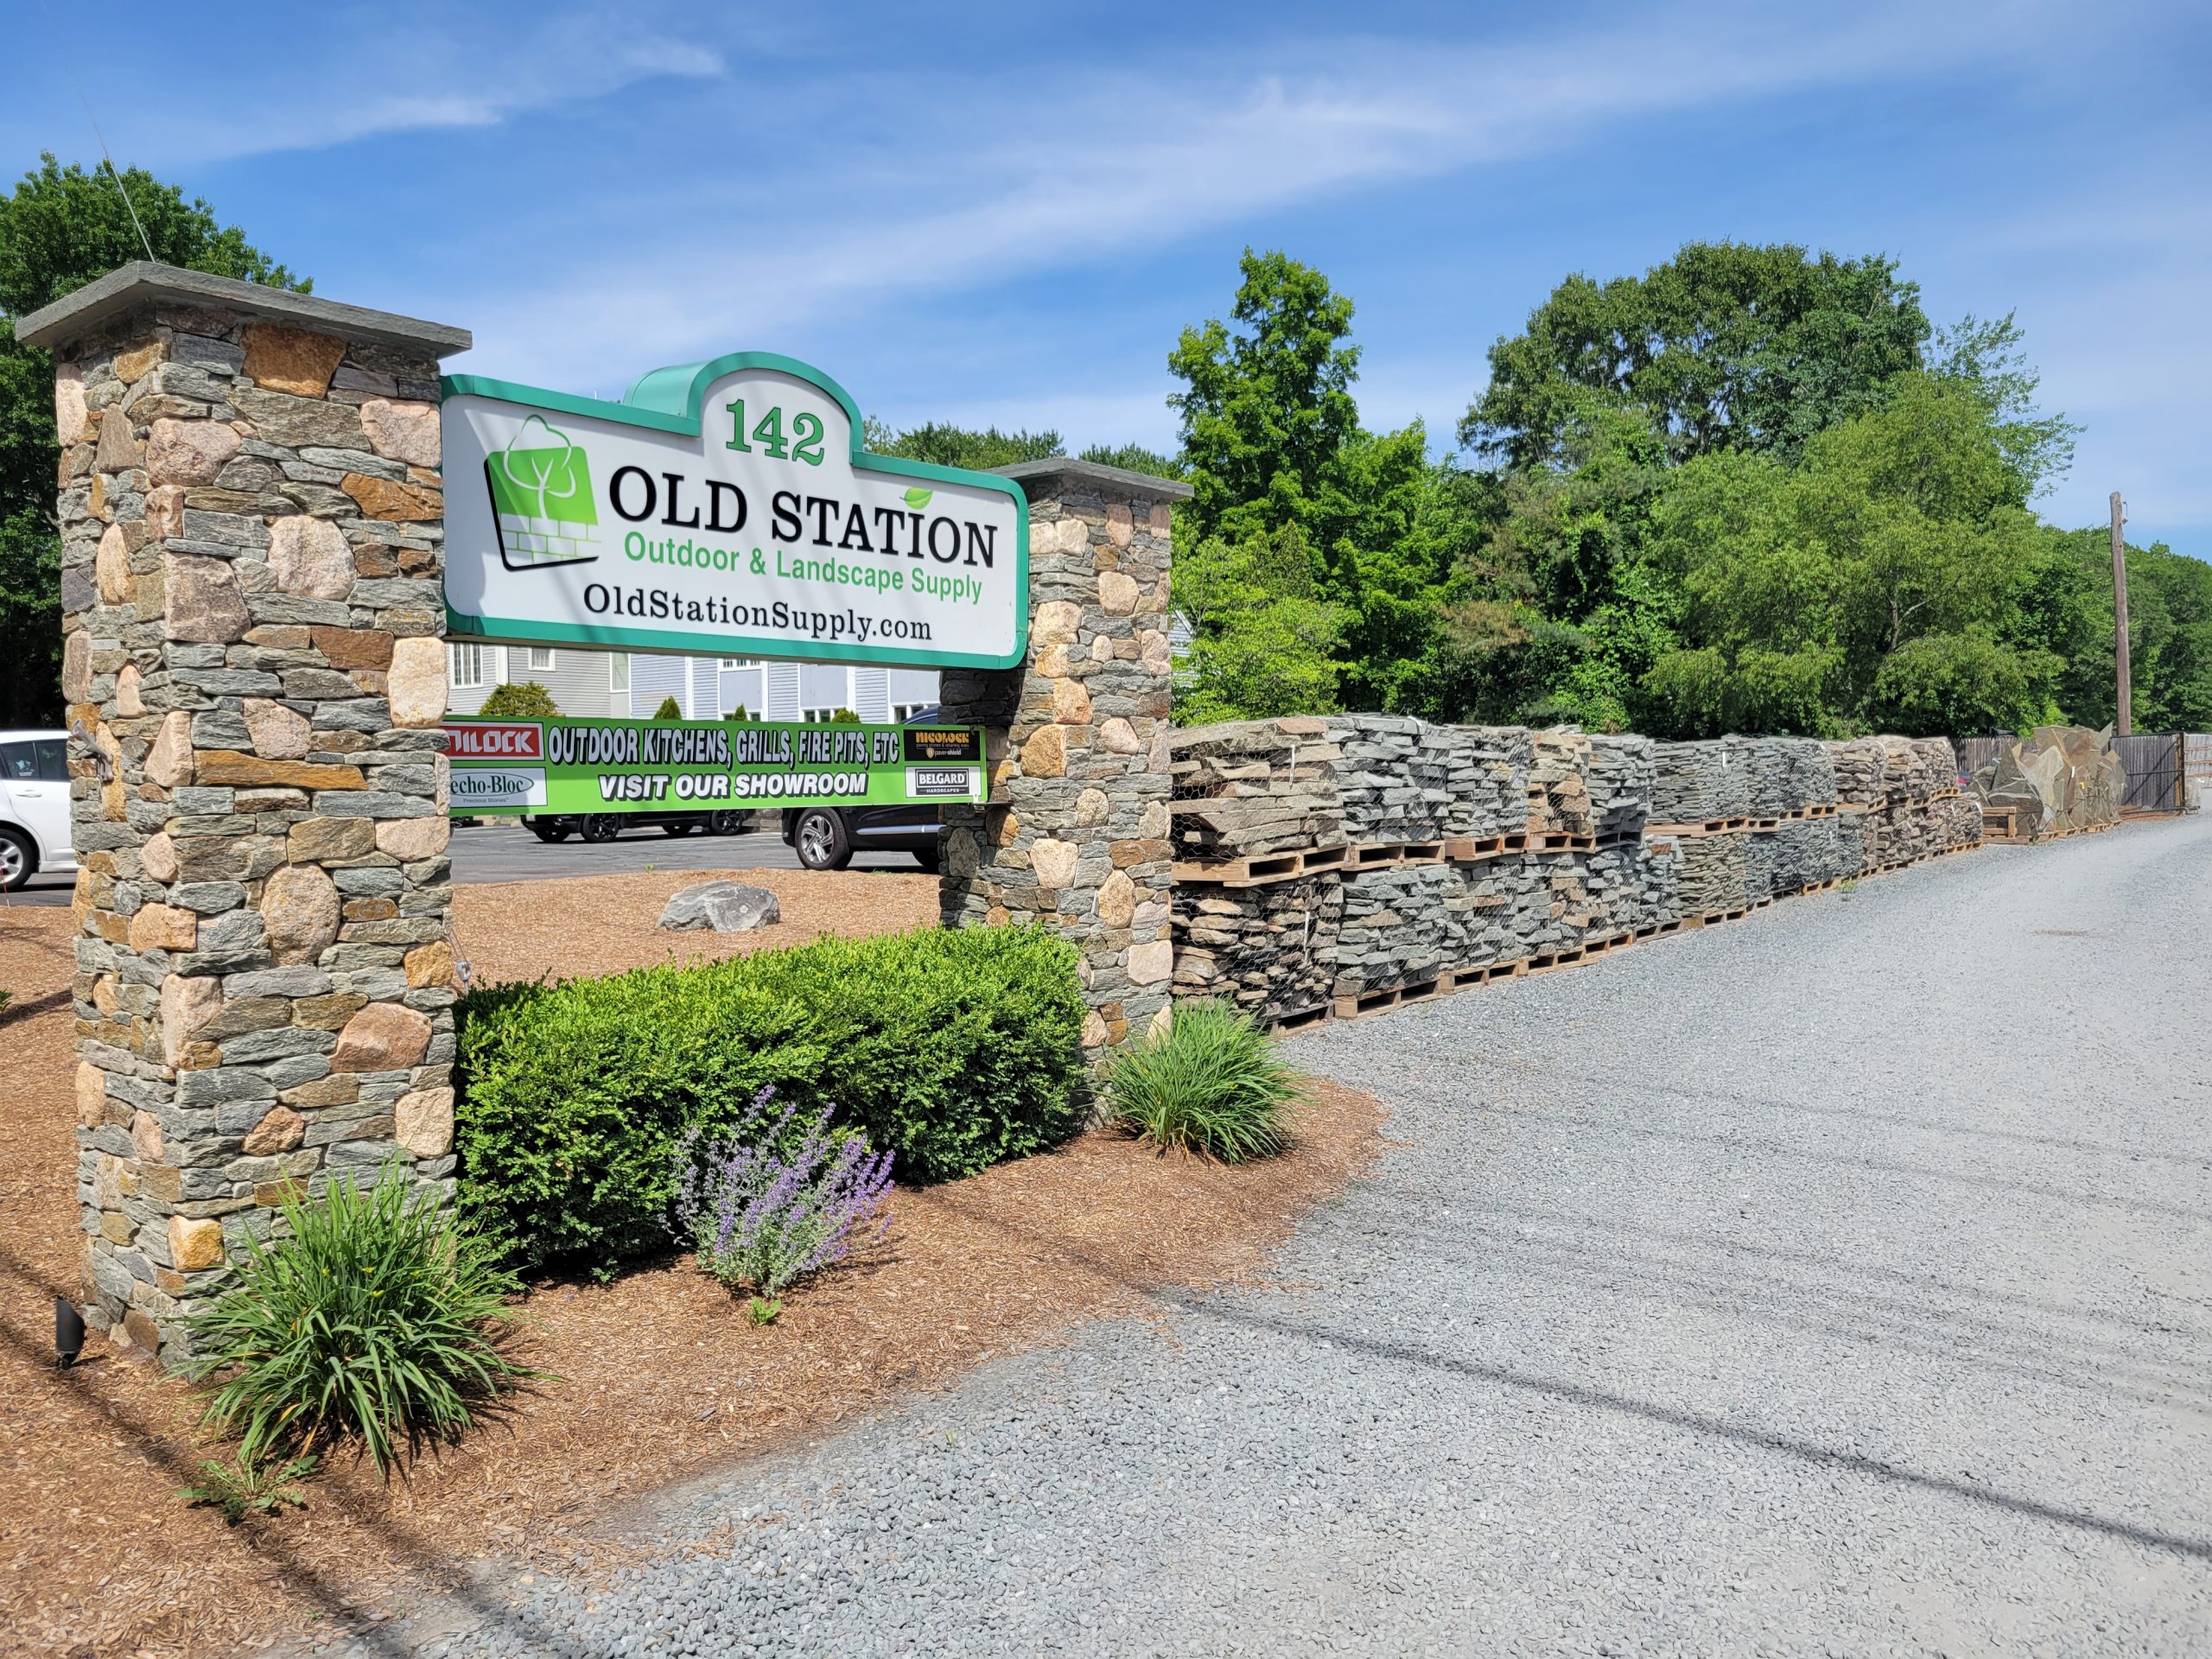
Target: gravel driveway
<point>1839,1282</point>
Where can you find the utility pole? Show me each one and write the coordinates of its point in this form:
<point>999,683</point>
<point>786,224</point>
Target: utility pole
<point>2123,721</point>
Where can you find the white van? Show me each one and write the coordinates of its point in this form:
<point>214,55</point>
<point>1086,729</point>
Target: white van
<point>33,807</point>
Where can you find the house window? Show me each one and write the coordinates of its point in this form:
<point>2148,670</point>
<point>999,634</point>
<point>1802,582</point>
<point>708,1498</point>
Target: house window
<point>617,671</point>
<point>541,656</point>
<point>817,716</point>
<point>727,663</point>
<point>903,712</point>
<point>465,667</point>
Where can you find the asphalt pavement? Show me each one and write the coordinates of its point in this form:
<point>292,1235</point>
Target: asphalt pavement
<point>493,851</point>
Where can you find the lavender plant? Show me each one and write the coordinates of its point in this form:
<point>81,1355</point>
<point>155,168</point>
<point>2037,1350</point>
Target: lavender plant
<point>780,1196</point>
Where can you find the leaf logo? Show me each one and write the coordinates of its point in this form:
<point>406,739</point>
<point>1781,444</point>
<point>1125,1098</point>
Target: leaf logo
<point>542,474</point>
<point>918,498</point>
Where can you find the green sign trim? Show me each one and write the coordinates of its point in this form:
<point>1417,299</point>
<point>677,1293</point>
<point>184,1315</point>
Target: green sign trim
<point>571,767</point>
<point>672,400</point>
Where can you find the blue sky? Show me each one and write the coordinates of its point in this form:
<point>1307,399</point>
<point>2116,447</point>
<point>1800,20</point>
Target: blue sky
<point>1004,214</point>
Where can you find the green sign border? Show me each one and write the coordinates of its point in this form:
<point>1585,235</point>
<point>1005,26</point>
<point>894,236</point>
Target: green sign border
<point>669,400</point>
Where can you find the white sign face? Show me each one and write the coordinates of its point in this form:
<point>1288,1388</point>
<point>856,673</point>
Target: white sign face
<point>504,786</point>
<point>723,508</point>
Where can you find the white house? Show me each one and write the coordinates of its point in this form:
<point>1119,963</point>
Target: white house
<point>585,681</point>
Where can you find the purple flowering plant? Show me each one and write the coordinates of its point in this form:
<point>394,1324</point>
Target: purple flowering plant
<point>780,1196</point>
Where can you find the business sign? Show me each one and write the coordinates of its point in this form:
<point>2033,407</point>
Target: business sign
<point>573,766</point>
<point>723,507</point>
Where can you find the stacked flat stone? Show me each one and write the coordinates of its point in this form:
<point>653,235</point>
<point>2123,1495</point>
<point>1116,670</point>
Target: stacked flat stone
<point>1941,760</point>
<point>1631,886</point>
<point>1695,782</point>
<point>1788,775</point>
<point>1248,787</point>
<point>1716,872</point>
<point>1851,859</point>
<point>1802,853</point>
<point>1271,950</point>
<point>1860,764</point>
<point>1516,908</point>
<point>1960,821</point>
<point>1558,783</point>
<point>1622,772</point>
<point>1075,833</point>
<point>1402,925</point>
<point>1486,769</point>
<point>1394,777</point>
<point>251,515</point>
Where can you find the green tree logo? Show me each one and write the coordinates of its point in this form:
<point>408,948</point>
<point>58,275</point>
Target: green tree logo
<point>542,474</point>
<point>542,497</point>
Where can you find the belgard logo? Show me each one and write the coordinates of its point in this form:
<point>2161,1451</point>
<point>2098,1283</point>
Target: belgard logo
<point>541,499</point>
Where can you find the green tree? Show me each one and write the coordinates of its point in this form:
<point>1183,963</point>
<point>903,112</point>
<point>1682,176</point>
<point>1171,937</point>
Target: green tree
<point>1879,584</point>
<point>1263,643</point>
<point>946,445</point>
<point>525,700</point>
<point>1725,347</point>
<point>1271,441</point>
<point>1134,458</point>
<point>669,709</point>
<point>61,228</point>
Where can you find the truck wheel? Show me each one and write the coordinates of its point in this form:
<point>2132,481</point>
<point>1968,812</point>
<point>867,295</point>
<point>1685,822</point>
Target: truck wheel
<point>725,824</point>
<point>603,826</point>
<point>927,858</point>
<point>548,832</point>
<point>821,839</point>
<point>678,827</point>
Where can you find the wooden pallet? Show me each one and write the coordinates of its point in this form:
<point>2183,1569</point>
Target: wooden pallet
<point>1263,868</point>
<point>1802,814</point>
<point>1473,849</point>
<point>1367,1002</point>
<point>1388,854</point>
<point>1303,1018</point>
<point>1467,978</point>
<point>1704,827</point>
<point>1657,930</point>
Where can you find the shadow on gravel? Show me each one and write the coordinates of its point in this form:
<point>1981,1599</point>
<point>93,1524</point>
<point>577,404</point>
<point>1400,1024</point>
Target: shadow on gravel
<point>182,1464</point>
<point>1647,1089</point>
<point>1215,1308</point>
<point>1698,1423</point>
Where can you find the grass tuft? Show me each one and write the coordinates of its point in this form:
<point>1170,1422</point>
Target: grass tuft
<point>1211,1084</point>
<point>380,1317</point>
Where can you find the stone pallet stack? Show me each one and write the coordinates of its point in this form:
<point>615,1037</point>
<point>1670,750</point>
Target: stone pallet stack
<point>1902,834</point>
<point>1633,886</point>
<point>1960,818</point>
<point>1623,771</point>
<point>1941,761</point>
<point>1850,844</point>
<point>1250,787</point>
<point>1404,925</point>
<point>1270,949</point>
<point>1487,770</point>
<point>1394,779</point>
<point>1788,775</point>
<point>1715,873</point>
<point>1700,782</point>
<point>1801,853</point>
<point>1859,764</point>
<point>1558,783</point>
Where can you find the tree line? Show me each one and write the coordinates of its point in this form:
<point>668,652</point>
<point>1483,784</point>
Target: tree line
<point>1753,489</point>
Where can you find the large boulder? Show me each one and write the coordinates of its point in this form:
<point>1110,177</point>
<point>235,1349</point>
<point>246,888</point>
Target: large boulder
<point>721,907</point>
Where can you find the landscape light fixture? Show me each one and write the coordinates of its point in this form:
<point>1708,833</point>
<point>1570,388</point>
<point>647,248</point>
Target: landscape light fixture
<point>68,1332</point>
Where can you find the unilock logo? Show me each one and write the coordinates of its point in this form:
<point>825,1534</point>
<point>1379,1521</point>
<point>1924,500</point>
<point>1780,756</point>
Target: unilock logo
<point>498,786</point>
<point>542,500</point>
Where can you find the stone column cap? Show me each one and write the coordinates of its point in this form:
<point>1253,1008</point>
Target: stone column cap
<point>1035,476</point>
<point>142,283</point>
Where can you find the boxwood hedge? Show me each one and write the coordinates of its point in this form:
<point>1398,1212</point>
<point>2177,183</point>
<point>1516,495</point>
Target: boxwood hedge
<point>952,1048</point>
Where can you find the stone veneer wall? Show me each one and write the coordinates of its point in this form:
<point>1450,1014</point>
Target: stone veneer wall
<point>251,513</point>
<point>1075,830</point>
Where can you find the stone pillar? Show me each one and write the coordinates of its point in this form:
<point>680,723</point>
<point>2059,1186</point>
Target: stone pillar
<point>253,663</point>
<point>1075,831</point>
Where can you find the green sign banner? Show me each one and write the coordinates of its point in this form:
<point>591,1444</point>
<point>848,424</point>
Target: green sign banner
<point>564,766</point>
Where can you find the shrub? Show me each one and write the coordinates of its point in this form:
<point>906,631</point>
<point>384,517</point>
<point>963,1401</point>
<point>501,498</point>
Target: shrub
<point>668,710</point>
<point>949,1049</point>
<point>528,701</point>
<point>1211,1083</point>
<point>777,1198</point>
<point>738,714</point>
<point>379,1316</point>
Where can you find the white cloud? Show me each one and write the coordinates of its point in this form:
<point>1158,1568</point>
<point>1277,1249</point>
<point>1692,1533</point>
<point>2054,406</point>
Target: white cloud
<point>1106,166</point>
<point>465,81</point>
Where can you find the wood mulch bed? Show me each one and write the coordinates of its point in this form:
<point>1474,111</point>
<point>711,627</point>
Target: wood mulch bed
<point>660,1377</point>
